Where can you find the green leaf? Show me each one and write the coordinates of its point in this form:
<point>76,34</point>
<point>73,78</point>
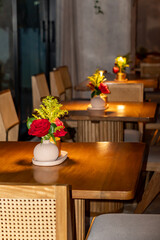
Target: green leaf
<point>93,94</point>
<point>98,92</point>
<point>52,135</point>
<point>29,122</point>
<point>52,128</point>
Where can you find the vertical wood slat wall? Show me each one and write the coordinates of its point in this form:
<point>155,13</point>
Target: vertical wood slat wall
<point>96,131</point>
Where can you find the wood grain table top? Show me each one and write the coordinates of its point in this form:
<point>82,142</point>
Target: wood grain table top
<point>148,83</point>
<point>117,111</point>
<point>101,170</point>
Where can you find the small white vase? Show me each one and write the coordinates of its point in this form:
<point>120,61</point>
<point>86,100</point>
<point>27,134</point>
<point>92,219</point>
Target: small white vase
<point>98,102</point>
<point>45,151</point>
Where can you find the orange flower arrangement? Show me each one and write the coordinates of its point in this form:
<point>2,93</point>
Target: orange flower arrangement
<point>97,85</point>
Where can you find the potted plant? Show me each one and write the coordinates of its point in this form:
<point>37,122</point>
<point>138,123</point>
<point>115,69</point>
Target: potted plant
<point>119,68</point>
<point>99,89</point>
<point>45,123</point>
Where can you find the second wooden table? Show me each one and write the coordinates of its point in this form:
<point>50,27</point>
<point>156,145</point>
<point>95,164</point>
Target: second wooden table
<point>93,126</point>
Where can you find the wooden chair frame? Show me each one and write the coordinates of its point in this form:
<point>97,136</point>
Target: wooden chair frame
<point>56,85</point>
<point>35,212</point>
<point>9,122</point>
<point>39,89</point>
<point>127,92</point>
<point>66,81</point>
<point>150,70</point>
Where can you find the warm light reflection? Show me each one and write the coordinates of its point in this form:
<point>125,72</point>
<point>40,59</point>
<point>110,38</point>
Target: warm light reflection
<point>120,107</point>
<point>45,175</point>
<point>120,59</point>
<point>101,72</point>
<point>100,146</point>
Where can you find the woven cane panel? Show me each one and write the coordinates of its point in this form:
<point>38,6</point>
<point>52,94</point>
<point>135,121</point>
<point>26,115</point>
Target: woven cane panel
<point>27,219</point>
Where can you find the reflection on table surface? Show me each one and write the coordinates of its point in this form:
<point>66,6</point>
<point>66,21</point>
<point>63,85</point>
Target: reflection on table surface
<point>127,111</point>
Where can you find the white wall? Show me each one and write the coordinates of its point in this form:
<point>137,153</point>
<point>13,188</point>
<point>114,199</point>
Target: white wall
<point>101,37</point>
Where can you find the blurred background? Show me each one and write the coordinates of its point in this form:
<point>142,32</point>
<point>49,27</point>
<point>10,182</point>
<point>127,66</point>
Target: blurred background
<point>39,35</point>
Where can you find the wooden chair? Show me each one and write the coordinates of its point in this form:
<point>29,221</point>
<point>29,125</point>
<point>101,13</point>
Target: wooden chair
<point>125,226</point>
<point>152,164</point>
<point>128,92</point>
<point>9,122</point>
<point>67,86</point>
<point>66,81</point>
<point>58,90</point>
<point>156,128</point>
<point>150,70</point>
<point>39,89</point>
<point>152,188</point>
<point>35,212</point>
<point>56,85</point>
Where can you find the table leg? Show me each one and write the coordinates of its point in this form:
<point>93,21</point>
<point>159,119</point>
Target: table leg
<point>80,218</point>
<point>151,191</point>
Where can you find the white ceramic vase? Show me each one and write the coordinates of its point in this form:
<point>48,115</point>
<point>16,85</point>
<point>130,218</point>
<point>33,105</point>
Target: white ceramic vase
<point>45,151</point>
<point>98,102</point>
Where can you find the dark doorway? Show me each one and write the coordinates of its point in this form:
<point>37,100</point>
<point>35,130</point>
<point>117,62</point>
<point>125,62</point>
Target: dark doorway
<point>35,47</point>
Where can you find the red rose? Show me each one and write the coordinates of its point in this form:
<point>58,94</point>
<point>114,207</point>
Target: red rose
<point>91,86</point>
<point>103,88</point>
<point>61,132</point>
<point>58,122</point>
<point>39,127</point>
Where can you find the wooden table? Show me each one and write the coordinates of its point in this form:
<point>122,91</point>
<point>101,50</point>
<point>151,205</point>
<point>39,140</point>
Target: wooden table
<point>149,84</point>
<point>94,170</point>
<point>95,126</point>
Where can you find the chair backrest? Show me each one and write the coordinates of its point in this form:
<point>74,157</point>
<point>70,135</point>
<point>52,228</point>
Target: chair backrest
<point>65,76</point>
<point>39,89</point>
<point>126,92</point>
<point>56,85</point>
<point>66,81</point>
<point>35,212</point>
<point>150,70</point>
<point>9,122</point>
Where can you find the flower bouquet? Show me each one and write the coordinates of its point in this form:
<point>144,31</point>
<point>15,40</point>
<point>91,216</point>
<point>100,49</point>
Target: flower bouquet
<point>97,85</point>
<point>120,66</point>
<point>45,123</point>
<point>98,89</point>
